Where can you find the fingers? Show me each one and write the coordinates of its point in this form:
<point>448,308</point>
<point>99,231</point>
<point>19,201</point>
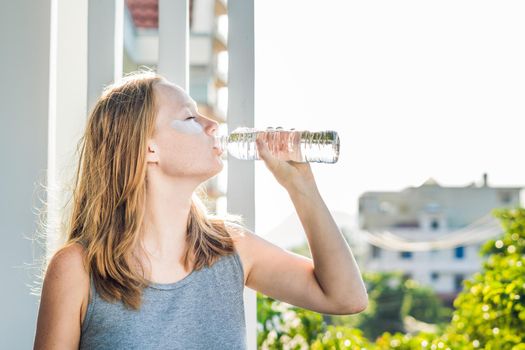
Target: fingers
<point>264,153</point>
<point>262,148</point>
<point>274,146</point>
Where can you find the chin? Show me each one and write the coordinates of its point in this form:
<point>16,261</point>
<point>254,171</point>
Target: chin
<point>219,168</point>
<point>214,171</point>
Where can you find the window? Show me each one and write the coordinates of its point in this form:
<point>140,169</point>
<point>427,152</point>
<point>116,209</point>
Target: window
<point>376,252</point>
<point>370,204</point>
<point>434,225</point>
<point>459,252</point>
<point>387,208</point>
<point>434,276</point>
<point>405,255</point>
<point>505,197</point>
<point>458,279</point>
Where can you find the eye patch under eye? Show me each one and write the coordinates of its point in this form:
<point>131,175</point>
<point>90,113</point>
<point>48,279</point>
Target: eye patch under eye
<point>189,126</point>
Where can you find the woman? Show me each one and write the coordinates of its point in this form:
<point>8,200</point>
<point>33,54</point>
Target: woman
<point>144,266</point>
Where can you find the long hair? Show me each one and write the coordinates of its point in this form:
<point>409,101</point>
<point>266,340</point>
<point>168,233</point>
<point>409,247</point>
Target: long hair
<point>109,188</point>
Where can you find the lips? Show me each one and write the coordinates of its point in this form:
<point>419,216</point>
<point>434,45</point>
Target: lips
<point>216,143</point>
<point>216,146</point>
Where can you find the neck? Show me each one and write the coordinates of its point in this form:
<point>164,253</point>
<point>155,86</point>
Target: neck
<point>167,209</point>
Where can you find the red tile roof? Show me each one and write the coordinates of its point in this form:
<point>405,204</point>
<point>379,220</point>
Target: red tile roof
<point>145,13</point>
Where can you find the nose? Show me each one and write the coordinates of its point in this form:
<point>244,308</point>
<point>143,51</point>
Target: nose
<point>212,126</point>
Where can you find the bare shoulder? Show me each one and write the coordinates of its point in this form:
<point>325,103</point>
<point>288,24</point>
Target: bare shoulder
<point>68,261</point>
<point>73,253</point>
<point>64,296</point>
<point>67,269</point>
<point>241,236</point>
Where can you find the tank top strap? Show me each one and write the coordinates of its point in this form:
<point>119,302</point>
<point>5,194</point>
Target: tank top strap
<point>91,303</point>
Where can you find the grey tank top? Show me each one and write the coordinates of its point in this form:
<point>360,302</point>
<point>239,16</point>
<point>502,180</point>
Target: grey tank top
<point>204,310</point>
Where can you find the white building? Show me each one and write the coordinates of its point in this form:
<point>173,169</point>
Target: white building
<point>432,233</point>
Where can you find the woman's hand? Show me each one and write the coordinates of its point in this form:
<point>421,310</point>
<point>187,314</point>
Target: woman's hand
<point>293,176</point>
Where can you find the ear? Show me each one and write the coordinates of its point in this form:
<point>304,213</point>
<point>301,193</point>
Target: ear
<point>152,154</point>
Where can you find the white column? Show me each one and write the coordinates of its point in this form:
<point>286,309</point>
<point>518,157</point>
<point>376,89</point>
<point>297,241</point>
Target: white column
<point>105,45</point>
<point>43,98</point>
<point>174,25</point>
<point>241,174</point>
<point>67,105</point>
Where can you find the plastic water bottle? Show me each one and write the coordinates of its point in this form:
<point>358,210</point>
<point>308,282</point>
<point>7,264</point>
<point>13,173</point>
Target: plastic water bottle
<point>285,144</point>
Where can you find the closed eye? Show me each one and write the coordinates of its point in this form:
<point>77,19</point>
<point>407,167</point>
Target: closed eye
<point>190,118</point>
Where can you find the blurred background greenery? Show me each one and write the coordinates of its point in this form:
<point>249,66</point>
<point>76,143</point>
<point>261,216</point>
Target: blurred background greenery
<point>489,313</point>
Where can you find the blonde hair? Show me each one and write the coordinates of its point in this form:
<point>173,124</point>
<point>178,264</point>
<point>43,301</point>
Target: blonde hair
<point>107,204</point>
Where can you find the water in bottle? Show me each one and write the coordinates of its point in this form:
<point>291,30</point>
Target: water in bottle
<point>285,144</point>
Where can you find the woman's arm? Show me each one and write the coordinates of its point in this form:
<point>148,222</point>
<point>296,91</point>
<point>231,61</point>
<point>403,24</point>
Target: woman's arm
<point>334,265</point>
<point>64,292</point>
<point>332,282</point>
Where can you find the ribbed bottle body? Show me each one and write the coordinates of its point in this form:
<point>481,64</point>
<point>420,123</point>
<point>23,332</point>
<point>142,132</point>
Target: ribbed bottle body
<point>285,144</point>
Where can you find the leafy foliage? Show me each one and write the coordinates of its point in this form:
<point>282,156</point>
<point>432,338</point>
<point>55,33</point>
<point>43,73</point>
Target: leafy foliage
<point>489,312</point>
<point>393,297</point>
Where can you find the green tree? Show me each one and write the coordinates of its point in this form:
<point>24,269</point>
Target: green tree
<point>490,311</point>
<point>393,297</point>
<point>283,325</point>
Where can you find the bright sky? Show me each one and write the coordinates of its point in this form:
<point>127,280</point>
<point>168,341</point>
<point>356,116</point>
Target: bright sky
<point>415,89</point>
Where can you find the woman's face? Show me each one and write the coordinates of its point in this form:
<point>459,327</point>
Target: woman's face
<point>183,142</point>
